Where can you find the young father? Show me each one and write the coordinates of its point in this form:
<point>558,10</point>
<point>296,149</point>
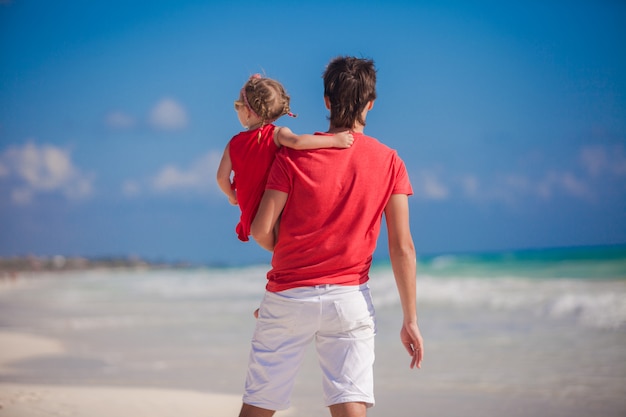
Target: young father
<point>330,203</point>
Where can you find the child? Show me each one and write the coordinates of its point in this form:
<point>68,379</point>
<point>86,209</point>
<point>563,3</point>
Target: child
<point>250,153</point>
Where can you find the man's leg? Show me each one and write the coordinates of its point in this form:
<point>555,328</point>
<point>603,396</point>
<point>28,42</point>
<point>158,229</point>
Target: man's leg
<point>345,347</point>
<point>348,410</point>
<point>284,329</point>
<point>248,410</point>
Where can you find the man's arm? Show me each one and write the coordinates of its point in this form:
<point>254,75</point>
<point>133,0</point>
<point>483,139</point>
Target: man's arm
<point>262,227</point>
<point>403,263</point>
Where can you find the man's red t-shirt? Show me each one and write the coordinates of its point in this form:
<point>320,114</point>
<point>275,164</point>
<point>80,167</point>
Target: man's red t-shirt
<point>331,220</point>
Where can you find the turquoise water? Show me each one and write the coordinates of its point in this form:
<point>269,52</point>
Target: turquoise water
<point>586,286</point>
<point>593,263</point>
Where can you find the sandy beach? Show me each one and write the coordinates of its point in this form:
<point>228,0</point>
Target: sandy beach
<point>45,400</point>
<point>175,343</point>
<point>30,400</point>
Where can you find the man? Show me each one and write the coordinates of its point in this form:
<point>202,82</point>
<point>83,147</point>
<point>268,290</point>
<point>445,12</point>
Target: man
<point>330,203</point>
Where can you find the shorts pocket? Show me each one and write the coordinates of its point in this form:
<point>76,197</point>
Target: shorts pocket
<point>356,316</point>
<point>281,314</point>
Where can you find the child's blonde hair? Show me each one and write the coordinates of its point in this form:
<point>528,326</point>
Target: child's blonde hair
<point>266,98</point>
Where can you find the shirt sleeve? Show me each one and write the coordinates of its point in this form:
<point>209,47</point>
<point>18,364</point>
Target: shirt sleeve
<point>279,179</point>
<point>402,183</point>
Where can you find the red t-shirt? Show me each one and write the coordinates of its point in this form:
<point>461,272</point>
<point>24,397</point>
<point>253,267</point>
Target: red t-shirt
<point>331,220</point>
<point>251,158</point>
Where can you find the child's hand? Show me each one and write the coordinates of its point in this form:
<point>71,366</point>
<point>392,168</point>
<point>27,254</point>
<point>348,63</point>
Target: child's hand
<point>344,139</point>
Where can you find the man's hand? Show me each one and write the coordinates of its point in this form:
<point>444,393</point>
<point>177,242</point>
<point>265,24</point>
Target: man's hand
<point>412,341</point>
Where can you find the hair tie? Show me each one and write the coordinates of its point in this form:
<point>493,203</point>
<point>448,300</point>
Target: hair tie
<point>290,114</point>
<point>245,98</point>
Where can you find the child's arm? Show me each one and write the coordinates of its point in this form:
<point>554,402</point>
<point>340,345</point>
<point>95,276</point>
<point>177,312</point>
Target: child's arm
<point>223,177</point>
<point>283,136</point>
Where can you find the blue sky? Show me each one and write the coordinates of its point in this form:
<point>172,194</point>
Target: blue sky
<point>511,118</point>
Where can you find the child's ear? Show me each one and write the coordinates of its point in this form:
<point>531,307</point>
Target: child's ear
<point>370,105</point>
<point>327,102</point>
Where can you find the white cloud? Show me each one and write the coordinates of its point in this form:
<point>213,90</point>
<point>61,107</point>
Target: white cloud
<point>514,187</point>
<point>430,187</point>
<point>618,160</point>
<point>81,187</point>
<point>470,186</point>
<point>517,183</point>
<point>168,114</point>
<point>118,120</point>
<point>506,189</point>
<point>131,188</point>
<point>599,160</point>
<point>171,177</point>
<point>198,177</point>
<point>620,166</point>
<point>564,181</point>
<point>21,196</point>
<point>43,168</point>
<point>594,159</point>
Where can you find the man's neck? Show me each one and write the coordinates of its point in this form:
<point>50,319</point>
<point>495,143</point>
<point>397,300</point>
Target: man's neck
<point>358,128</point>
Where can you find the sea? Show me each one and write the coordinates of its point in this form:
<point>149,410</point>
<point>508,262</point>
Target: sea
<point>518,333</point>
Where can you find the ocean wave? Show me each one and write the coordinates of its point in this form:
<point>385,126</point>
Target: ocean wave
<point>606,310</point>
<point>204,284</point>
<point>599,304</point>
<point>587,302</point>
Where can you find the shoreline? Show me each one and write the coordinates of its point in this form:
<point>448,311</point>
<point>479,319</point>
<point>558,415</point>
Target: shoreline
<point>145,343</point>
<point>32,263</point>
<point>13,266</point>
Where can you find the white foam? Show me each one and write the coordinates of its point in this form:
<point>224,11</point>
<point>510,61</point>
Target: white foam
<point>600,304</point>
<point>605,310</point>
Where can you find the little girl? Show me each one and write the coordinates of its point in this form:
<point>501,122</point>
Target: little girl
<point>250,153</point>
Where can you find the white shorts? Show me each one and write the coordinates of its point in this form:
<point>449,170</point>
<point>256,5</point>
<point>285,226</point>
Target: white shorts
<point>339,318</point>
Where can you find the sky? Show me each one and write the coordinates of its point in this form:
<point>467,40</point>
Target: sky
<point>510,117</point>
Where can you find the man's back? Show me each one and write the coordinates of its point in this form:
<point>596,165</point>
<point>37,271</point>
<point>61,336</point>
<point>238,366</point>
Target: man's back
<point>331,220</point>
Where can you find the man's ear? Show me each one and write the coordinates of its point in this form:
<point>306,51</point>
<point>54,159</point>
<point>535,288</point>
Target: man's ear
<point>327,102</point>
<point>370,105</point>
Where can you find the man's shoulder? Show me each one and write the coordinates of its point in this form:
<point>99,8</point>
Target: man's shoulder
<point>376,145</point>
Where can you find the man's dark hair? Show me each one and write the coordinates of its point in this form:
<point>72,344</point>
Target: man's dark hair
<point>349,84</point>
